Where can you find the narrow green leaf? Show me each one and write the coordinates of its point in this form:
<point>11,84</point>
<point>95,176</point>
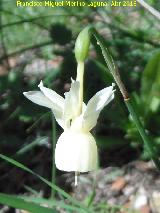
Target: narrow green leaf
<point>91,197</point>
<point>62,192</point>
<point>31,190</point>
<point>19,203</point>
<point>28,147</point>
<point>150,73</point>
<point>150,84</point>
<point>51,203</point>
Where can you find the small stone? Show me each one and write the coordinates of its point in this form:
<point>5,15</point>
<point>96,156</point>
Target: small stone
<point>145,209</point>
<point>112,201</point>
<point>119,184</point>
<point>155,201</point>
<point>142,166</point>
<point>127,191</point>
<point>140,201</point>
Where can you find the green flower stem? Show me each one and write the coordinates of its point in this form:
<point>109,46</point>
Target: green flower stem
<point>53,155</point>
<point>114,71</point>
<point>80,73</point>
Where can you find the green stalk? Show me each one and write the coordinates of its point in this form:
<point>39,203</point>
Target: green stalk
<point>80,74</point>
<point>53,155</point>
<point>114,71</point>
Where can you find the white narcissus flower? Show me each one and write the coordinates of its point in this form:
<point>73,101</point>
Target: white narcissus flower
<point>76,149</point>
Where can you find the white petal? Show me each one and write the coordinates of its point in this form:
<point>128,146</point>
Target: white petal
<point>84,107</point>
<point>72,80</point>
<point>50,99</point>
<point>52,95</point>
<point>57,101</point>
<point>95,105</point>
<point>59,117</point>
<point>76,152</point>
<point>39,98</point>
<point>71,102</point>
<point>77,122</point>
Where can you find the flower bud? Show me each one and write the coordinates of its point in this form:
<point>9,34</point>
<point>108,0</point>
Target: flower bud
<point>82,44</point>
<point>76,151</point>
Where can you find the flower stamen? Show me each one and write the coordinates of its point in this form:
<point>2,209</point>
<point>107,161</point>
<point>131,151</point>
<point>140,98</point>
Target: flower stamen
<point>76,178</point>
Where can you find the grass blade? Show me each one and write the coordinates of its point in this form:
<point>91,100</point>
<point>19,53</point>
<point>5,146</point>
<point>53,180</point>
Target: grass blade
<point>51,203</point>
<point>61,191</point>
<point>19,203</point>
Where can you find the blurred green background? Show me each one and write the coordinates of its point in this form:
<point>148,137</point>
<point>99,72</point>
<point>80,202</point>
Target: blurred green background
<point>38,43</point>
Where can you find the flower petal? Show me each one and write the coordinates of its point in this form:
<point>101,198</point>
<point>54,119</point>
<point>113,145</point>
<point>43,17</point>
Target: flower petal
<point>52,95</point>
<point>71,102</point>
<point>59,117</point>
<point>39,98</point>
<point>77,122</point>
<point>57,101</point>
<point>95,105</point>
